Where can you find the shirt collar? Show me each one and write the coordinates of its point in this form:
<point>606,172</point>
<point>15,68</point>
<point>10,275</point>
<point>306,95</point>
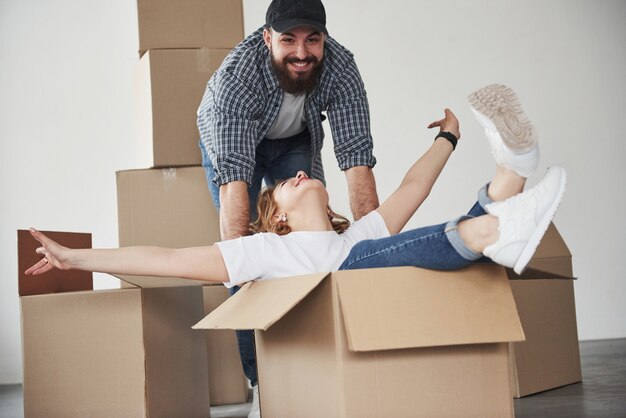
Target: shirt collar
<point>271,81</point>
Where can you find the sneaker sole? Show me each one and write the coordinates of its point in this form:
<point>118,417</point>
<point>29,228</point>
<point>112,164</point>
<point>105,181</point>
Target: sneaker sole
<point>500,104</point>
<point>541,228</point>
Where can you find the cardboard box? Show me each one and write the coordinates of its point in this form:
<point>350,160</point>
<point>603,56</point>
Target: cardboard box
<point>544,295</point>
<point>189,24</point>
<point>393,342</point>
<point>109,353</point>
<point>168,88</point>
<point>227,382</point>
<point>173,208</point>
<point>166,207</point>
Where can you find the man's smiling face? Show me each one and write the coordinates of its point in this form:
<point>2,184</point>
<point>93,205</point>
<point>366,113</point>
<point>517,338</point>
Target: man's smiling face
<point>297,57</point>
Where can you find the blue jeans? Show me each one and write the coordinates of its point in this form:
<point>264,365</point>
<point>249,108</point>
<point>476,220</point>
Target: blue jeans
<point>437,247</point>
<point>276,159</point>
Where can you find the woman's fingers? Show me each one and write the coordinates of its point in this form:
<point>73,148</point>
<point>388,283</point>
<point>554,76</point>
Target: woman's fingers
<point>44,264</point>
<point>39,267</point>
<point>449,118</point>
<point>436,123</point>
<point>39,236</point>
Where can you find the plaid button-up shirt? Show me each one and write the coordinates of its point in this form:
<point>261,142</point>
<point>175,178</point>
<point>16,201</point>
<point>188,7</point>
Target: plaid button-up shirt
<point>243,98</point>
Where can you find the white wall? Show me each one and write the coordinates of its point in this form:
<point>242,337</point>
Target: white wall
<point>66,119</point>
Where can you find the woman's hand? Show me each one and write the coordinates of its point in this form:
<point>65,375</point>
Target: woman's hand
<point>448,124</point>
<point>54,255</point>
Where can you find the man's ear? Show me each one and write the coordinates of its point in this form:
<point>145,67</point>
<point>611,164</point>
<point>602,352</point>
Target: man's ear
<point>267,37</point>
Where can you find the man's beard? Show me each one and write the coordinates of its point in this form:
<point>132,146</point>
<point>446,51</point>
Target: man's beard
<point>303,84</point>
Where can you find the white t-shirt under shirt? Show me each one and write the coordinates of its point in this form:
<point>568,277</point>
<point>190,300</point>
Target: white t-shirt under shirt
<point>290,120</point>
<point>267,255</point>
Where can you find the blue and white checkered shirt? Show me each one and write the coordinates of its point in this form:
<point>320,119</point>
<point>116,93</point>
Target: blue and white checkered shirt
<point>243,98</point>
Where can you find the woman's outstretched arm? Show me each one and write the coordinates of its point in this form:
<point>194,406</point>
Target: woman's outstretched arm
<point>419,180</point>
<point>197,263</point>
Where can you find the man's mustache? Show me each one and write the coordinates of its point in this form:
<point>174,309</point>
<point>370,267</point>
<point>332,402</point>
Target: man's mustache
<point>310,59</point>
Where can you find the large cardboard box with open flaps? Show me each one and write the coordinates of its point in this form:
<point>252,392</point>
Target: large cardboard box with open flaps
<point>408,342</point>
<point>380,342</point>
<point>544,295</point>
<point>109,353</point>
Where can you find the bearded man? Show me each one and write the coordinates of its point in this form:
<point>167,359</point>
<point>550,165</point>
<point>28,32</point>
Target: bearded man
<point>261,120</point>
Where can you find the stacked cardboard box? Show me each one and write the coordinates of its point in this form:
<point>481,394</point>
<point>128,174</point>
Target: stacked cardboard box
<point>166,201</point>
<point>108,353</point>
<point>172,208</point>
<point>181,44</point>
<point>169,84</point>
<point>544,295</point>
<point>171,24</point>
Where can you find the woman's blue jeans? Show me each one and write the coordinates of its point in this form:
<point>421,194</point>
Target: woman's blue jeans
<point>276,159</point>
<point>437,247</point>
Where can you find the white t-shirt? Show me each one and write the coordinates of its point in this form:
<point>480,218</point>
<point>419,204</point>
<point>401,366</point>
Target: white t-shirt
<point>267,255</point>
<point>290,120</point>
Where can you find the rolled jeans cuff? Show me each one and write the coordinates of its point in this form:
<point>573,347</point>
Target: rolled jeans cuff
<point>483,197</point>
<point>452,233</point>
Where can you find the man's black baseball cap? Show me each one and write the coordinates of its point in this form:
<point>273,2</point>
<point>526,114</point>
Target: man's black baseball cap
<point>283,15</point>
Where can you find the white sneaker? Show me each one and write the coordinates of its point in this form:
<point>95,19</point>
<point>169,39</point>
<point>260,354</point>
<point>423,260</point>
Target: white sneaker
<point>255,412</point>
<point>524,218</point>
<point>511,135</point>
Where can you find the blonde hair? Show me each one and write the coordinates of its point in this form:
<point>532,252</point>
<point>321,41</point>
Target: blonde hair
<point>266,209</point>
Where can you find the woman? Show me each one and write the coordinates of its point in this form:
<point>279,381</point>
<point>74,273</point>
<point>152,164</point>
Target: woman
<point>300,234</point>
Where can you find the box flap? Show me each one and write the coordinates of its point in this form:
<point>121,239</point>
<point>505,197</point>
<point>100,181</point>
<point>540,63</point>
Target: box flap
<point>409,307</point>
<point>54,281</point>
<point>551,260</point>
<point>258,305</point>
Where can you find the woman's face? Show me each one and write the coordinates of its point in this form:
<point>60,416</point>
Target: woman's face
<point>300,192</point>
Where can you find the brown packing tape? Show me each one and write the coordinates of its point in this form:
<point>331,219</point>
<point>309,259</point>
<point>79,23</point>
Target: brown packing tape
<point>53,281</point>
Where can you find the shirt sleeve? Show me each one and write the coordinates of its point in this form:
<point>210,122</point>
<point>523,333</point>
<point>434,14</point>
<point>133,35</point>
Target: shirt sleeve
<point>244,258</point>
<point>371,226</point>
<point>349,118</point>
<point>228,126</point>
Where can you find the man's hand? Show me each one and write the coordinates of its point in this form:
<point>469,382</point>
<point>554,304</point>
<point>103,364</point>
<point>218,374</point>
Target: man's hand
<point>234,210</point>
<point>362,190</point>
<point>448,124</point>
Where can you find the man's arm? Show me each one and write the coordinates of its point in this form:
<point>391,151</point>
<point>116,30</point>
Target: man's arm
<point>228,131</point>
<point>362,190</point>
<point>234,210</point>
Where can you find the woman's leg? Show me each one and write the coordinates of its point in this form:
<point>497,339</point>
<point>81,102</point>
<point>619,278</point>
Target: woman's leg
<point>511,231</point>
<point>513,142</point>
<point>508,234</point>
<point>437,247</point>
